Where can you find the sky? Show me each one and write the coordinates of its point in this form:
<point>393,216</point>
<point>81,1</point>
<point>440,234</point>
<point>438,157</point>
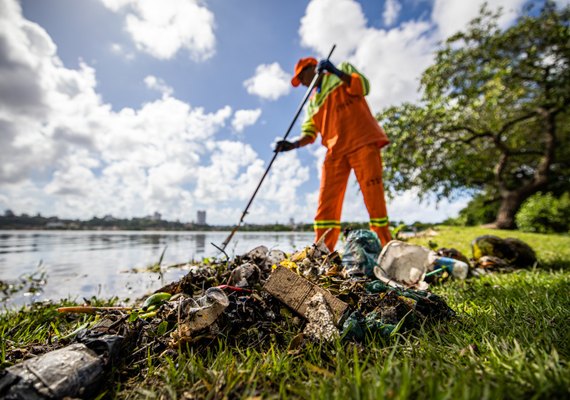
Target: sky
<point>131,107</point>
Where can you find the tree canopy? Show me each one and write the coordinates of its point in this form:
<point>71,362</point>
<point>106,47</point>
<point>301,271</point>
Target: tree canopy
<point>494,116</point>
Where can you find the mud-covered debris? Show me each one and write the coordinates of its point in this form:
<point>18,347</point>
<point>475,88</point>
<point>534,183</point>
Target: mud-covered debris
<point>198,278</point>
<point>514,252</point>
<point>274,257</point>
<point>246,275</point>
<point>320,320</point>
<point>490,262</point>
<point>68,372</point>
<point>525,255</point>
<point>259,297</point>
<point>258,254</point>
<point>196,315</point>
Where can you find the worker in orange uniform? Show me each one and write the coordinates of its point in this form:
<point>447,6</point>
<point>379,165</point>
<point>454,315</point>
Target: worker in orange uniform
<point>338,110</point>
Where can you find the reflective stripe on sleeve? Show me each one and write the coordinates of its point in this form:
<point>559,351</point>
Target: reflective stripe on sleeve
<point>308,129</point>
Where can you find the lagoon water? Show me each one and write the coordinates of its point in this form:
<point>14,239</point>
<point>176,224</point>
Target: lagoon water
<point>82,264</point>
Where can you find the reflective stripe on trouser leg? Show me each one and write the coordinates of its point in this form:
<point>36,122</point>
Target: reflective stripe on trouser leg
<point>367,165</point>
<point>382,229</point>
<point>331,195</point>
<point>333,229</point>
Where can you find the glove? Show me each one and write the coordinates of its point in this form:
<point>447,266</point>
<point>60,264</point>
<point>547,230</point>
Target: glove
<point>326,65</point>
<point>285,145</point>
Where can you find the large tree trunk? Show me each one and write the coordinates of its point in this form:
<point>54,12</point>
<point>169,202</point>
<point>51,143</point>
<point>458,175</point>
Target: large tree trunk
<point>511,200</point>
<point>510,204</point>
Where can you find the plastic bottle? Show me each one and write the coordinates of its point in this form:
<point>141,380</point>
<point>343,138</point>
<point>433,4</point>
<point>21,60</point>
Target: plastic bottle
<point>458,269</point>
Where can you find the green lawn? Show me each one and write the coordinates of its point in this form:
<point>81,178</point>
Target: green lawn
<point>510,340</point>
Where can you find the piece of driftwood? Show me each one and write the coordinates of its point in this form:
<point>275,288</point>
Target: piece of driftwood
<point>296,292</point>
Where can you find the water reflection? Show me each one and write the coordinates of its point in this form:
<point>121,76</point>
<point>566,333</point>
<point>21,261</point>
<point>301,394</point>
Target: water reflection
<point>93,263</point>
<point>200,243</point>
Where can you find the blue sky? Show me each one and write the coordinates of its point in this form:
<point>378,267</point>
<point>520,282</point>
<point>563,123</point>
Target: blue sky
<point>128,107</point>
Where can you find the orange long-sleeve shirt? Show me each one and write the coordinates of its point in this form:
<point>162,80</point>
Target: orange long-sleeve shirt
<point>341,114</point>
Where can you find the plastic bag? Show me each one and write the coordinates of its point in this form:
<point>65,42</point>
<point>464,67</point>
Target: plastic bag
<point>361,250</point>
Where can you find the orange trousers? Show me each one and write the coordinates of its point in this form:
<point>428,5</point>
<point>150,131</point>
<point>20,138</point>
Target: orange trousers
<point>367,165</point>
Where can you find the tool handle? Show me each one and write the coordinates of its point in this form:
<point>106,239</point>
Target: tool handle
<point>299,109</point>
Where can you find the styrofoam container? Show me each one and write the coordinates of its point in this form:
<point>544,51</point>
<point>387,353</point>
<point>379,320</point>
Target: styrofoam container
<point>403,264</point>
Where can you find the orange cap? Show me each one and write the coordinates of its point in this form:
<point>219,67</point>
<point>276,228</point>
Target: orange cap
<point>301,65</point>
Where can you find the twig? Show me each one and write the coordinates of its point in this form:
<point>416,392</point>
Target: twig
<point>90,309</point>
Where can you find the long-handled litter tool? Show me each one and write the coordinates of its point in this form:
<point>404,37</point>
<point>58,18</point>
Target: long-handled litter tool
<point>309,90</point>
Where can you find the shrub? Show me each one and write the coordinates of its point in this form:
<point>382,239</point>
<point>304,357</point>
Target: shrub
<point>544,213</point>
<point>480,210</point>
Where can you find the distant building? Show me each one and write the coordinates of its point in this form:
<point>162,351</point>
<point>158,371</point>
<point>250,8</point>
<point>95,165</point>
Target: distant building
<point>293,224</point>
<point>55,225</point>
<point>156,216</point>
<point>201,217</point>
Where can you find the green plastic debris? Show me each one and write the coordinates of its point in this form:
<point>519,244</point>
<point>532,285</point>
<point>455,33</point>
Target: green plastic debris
<point>357,326</point>
<point>360,252</point>
<point>377,287</point>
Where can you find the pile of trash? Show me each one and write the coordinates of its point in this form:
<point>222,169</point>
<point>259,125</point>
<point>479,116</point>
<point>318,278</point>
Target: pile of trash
<point>261,298</point>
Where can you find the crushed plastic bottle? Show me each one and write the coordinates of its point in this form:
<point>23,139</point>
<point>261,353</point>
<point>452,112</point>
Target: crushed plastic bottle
<point>70,372</point>
<point>204,311</point>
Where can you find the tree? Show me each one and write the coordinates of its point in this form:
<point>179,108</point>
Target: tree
<point>494,116</point>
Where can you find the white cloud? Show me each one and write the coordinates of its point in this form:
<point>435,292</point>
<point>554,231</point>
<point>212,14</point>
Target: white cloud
<point>245,118</point>
<point>269,82</point>
<point>119,50</point>
<point>163,28</point>
<point>85,158</point>
<point>391,11</point>
<point>451,16</point>
<point>231,174</point>
<point>116,5</point>
<point>282,186</point>
<point>408,208</point>
<point>405,207</point>
<point>152,82</point>
<point>392,59</point>
<point>322,26</point>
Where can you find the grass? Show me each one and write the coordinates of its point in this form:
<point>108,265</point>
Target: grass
<point>510,340</point>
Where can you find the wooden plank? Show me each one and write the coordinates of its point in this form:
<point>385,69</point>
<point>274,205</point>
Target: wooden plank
<point>296,292</point>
